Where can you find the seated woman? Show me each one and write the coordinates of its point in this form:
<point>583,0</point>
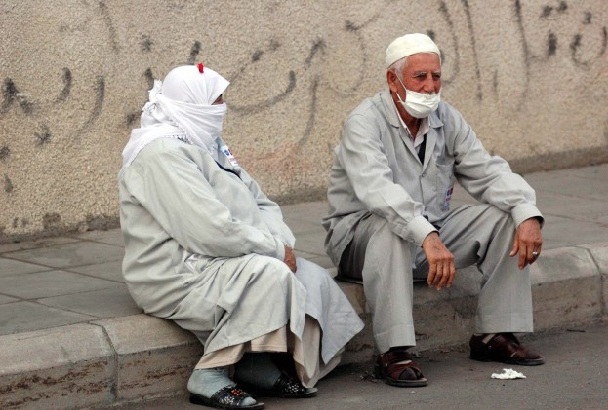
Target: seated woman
<point>206,248</point>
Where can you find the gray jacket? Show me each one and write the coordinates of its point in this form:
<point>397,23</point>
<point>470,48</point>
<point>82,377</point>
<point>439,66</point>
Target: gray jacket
<point>376,169</point>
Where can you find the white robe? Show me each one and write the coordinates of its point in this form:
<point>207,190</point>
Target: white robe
<point>205,247</point>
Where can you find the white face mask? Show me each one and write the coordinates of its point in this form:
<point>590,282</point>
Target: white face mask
<point>418,105</point>
<point>214,119</point>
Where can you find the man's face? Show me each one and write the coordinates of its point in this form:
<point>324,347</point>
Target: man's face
<point>422,74</point>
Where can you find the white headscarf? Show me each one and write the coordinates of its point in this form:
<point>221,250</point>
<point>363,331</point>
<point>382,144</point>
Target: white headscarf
<point>181,107</point>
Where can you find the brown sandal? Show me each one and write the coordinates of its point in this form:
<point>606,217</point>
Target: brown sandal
<point>505,348</point>
<point>398,369</point>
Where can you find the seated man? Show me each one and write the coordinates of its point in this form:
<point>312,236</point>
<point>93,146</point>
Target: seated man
<point>390,220</point>
<point>206,248</point>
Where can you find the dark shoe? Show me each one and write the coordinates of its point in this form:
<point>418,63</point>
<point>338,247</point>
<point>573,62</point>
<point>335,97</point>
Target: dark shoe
<point>505,348</point>
<point>285,386</point>
<point>389,367</point>
<point>227,398</point>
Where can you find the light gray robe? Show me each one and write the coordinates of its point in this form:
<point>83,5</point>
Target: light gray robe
<point>205,247</point>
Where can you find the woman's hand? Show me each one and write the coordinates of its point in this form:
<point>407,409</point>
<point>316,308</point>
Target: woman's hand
<point>290,259</point>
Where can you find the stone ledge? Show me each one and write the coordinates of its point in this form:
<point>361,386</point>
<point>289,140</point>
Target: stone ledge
<point>125,359</point>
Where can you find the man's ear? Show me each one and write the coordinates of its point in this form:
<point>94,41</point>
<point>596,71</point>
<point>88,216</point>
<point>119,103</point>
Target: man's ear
<point>391,80</point>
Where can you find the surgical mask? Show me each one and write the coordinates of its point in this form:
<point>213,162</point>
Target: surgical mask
<point>418,105</point>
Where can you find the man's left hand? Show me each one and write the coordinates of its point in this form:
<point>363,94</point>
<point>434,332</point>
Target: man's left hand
<point>528,242</point>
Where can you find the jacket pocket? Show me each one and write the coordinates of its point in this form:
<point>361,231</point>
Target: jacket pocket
<point>445,185</point>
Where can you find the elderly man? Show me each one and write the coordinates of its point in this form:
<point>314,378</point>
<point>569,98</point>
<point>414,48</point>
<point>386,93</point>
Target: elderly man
<point>390,220</point>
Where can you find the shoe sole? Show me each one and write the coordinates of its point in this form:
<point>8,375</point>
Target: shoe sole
<point>408,383</point>
<point>517,362</point>
<point>311,392</point>
<point>400,383</point>
<point>206,401</point>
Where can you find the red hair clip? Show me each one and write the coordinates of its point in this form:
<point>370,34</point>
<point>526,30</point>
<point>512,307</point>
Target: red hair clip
<point>201,67</point>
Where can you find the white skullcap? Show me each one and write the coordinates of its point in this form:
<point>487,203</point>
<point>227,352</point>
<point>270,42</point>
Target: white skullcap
<point>408,45</point>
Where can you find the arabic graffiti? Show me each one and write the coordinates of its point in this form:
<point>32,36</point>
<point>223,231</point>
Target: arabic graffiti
<point>544,31</point>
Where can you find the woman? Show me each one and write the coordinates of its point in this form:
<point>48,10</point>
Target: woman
<point>206,248</point>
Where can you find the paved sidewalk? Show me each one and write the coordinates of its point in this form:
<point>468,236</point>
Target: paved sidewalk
<point>71,336</point>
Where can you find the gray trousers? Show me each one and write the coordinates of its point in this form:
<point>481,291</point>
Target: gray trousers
<point>479,235</point>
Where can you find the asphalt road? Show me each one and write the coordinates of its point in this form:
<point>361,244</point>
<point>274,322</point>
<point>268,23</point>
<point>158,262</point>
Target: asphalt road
<point>574,377</point>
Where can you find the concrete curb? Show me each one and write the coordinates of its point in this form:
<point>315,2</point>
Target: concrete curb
<point>101,363</point>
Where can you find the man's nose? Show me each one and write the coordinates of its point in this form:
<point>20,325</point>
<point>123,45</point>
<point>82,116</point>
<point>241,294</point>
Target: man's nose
<point>429,85</point>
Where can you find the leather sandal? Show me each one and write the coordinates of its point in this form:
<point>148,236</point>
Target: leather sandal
<point>285,386</point>
<point>398,368</point>
<point>230,398</point>
<point>505,348</point>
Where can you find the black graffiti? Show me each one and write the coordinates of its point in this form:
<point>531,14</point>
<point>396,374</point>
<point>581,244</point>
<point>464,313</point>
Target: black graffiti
<point>11,94</point>
<point>587,19</point>
<point>146,43</point>
<point>551,44</point>
<point>5,152</point>
<point>524,46</point>
<point>576,44</point>
<point>66,78</point>
<point>307,75</point>
<point>97,107</point>
<point>445,13</point>
<point>548,10</point>
<point>8,184</point>
<point>318,46</point>
<point>44,136</point>
<point>269,102</point>
<point>107,19</point>
<point>474,48</point>
<point>194,52</point>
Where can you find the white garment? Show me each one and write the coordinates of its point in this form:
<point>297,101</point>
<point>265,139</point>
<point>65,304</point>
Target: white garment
<point>205,248</point>
<point>203,245</point>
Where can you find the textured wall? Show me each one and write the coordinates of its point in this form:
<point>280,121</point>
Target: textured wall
<point>531,76</point>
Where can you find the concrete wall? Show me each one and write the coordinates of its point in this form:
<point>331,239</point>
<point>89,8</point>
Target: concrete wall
<point>531,76</point>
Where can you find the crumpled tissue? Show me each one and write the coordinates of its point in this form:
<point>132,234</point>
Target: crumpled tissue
<point>508,374</point>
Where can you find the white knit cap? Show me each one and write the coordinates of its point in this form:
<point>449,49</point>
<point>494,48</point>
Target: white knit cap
<point>408,45</point>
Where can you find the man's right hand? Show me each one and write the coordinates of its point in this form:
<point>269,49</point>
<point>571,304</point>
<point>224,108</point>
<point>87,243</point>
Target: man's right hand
<point>441,262</point>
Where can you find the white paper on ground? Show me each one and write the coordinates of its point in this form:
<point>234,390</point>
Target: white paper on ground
<point>508,374</point>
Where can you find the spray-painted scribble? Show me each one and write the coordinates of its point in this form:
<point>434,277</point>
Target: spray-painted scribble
<point>107,19</point>
<point>8,184</point>
<point>577,44</point>
<point>5,152</point>
<point>66,78</point>
<point>44,136</point>
<point>548,10</point>
<point>551,44</point>
<point>258,106</point>
<point>445,14</point>
<point>146,43</point>
<point>471,31</point>
<point>11,94</point>
<point>97,107</point>
<point>194,52</point>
